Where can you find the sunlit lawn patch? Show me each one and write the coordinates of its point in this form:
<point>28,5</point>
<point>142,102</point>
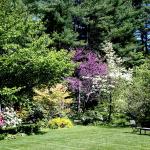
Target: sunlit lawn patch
<point>81,138</point>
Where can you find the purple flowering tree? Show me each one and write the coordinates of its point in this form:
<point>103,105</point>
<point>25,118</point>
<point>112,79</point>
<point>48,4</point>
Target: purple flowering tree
<point>84,84</point>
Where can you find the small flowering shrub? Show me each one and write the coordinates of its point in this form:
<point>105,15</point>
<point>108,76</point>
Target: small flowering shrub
<point>9,118</point>
<point>55,101</point>
<point>1,120</point>
<point>60,123</point>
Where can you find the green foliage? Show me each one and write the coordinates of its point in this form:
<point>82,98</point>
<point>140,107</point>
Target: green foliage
<point>91,117</point>
<point>8,95</point>
<point>118,95</point>
<point>55,101</point>
<point>27,67</point>
<point>60,123</point>
<point>57,16</point>
<point>96,116</point>
<point>134,97</point>
<point>2,136</point>
<point>9,130</point>
<point>29,128</point>
<point>115,21</point>
<point>24,128</point>
<point>18,29</point>
<point>25,60</point>
<point>120,120</point>
<point>32,115</point>
<point>138,95</point>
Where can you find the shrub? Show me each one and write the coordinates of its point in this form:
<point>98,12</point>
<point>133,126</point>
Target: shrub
<point>1,120</point>
<point>55,101</point>
<point>2,136</point>
<point>9,118</point>
<point>60,123</point>
<point>24,128</point>
<point>120,120</point>
<point>29,128</point>
<point>135,97</point>
<point>31,115</point>
<point>91,116</point>
<point>8,130</point>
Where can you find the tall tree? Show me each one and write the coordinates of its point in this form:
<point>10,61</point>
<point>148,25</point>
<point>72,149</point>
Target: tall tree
<point>143,32</point>
<point>86,83</point>
<point>58,18</point>
<point>96,21</point>
<point>116,21</point>
<point>25,60</point>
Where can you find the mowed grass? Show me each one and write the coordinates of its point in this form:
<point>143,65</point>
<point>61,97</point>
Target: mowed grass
<point>81,138</point>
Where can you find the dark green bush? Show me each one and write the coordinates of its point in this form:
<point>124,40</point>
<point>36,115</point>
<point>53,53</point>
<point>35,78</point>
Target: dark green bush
<point>24,128</point>
<point>91,116</point>
<point>120,120</point>
<point>2,136</point>
<point>29,128</point>
<point>9,130</point>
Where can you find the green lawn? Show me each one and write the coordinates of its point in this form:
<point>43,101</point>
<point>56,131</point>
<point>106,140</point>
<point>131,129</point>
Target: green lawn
<point>80,138</point>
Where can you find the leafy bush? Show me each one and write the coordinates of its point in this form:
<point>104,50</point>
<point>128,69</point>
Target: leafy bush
<point>9,130</point>
<point>120,119</point>
<point>55,101</point>
<point>32,114</point>
<point>60,123</point>
<point>91,116</point>
<point>35,115</point>
<point>1,120</point>
<point>9,118</point>
<point>29,128</point>
<point>24,128</point>
<point>134,97</point>
<point>23,114</point>
<point>2,136</point>
<point>43,123</point>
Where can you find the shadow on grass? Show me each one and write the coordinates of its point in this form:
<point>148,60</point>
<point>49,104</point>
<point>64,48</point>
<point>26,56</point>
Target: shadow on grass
<point>136,133</point>
<point>41,132</point>
<point>13,135</point>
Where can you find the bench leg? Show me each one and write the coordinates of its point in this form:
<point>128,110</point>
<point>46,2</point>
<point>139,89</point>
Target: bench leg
<point>145,131</point>
<point>140,131</point>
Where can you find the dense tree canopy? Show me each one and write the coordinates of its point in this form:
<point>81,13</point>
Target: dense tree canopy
<point>25,59</point>
<point>136,94</point>
<point>115,21</point>
<point>58,20</point>
<point>96,21</point>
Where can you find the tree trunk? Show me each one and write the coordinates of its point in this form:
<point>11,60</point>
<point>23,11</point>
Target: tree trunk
<point>110,107</point>
<point>79,99</point>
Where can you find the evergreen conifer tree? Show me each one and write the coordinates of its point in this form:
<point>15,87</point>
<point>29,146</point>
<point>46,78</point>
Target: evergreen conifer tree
<point>58,19</point>
<point>116,21</point>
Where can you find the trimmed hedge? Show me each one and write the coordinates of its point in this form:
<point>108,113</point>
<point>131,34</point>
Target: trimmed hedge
<point>24,128</point>
<point>2,136</point>
<point>9,130</point>
<point>29,128</point>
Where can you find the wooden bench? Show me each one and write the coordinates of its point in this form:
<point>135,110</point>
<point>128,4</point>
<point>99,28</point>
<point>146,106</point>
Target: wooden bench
<point>144,129</point>
<point>144,126</point>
